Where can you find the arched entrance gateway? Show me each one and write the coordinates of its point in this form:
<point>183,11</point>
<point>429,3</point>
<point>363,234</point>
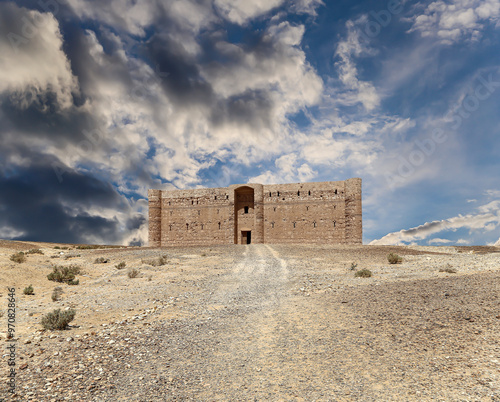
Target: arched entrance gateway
<point>247,216</point>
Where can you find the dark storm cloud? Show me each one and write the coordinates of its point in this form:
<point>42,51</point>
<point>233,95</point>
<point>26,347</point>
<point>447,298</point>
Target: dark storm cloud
<point>44,119</point>
<point>35,202</point>
<point>105,56</point>
<point>252,109</point>
<point>184,85</point>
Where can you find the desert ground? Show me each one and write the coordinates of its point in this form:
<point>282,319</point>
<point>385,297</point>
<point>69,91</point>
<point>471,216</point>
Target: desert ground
<point>256,323</point>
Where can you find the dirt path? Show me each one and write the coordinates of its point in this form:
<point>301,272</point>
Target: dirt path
<point>280,323</point>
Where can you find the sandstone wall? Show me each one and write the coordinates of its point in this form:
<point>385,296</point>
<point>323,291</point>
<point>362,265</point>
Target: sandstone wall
<point>326,212</point>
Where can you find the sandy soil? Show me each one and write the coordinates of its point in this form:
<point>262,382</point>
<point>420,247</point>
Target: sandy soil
<point>258,322</point>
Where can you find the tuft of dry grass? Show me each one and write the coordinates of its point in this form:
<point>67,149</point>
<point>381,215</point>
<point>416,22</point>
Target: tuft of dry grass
<point>449,269</point>
<point>29,290</point>
<point>34,251</point>
<point>363,273</point>
<point>133,273</point>
<point>394,258</point>
<point>56,293</point>
<point>156,262</point>
<point>18,257</point>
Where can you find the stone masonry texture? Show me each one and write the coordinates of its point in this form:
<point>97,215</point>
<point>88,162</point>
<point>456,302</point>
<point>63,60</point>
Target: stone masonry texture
<point>323,213</point>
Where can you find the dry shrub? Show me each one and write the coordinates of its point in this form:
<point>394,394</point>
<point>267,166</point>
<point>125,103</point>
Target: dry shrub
<point>156,262</point>
<point>34,251</point>
<point>29,290</point>
<point>363,273</point>
<point>448,270</point>
<point>58,319</point>
<point>133,273</point>
<point>56,293</point>
<point>394,259</point>
<point>18,257</point>
<point>65,274</point>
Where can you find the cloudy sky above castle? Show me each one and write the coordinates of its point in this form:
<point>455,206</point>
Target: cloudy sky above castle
<point>102,99</point>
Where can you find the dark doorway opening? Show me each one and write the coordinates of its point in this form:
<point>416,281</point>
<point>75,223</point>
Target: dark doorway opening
<point>246,237</point>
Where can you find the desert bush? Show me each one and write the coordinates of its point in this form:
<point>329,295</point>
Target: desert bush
<point>363,273</point>
<point>101,260</point>
<point>449,269</point>
<point>68,256</point>
<point>353,266</point>
<point>29,290</point>
<point>121,265</point>
<point>394,258</point>
<point>94,247</point>
<point>18,257</point>
<point>156,262</point>
<point>133,273</point>
<point>57,293</point>
<point>58,319</point>
<point>65,274</point>
<point>34,251</point>
<point>86,247</point>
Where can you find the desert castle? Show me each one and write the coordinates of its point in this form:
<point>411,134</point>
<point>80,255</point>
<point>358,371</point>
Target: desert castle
<point>326,212</point>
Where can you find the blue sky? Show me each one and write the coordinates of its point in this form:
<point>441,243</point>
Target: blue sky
<point>101,100</point>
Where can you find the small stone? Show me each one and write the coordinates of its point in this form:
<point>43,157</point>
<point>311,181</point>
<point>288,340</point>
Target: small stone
<point>69,339</point>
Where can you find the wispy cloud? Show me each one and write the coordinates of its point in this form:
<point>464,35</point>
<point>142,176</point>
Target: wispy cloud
<point>486,219</point>
<point>355,90</point>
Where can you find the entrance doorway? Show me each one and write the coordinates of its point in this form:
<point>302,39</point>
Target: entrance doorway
<point>246,237</point>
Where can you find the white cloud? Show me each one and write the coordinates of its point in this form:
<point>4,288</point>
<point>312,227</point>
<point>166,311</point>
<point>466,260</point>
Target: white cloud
<point>492,193</point>
<point>288,170</point>
<point>461,19</point>
<point>285,72</point>
<point>7,232</point>
<point>132,16</point>
<point>439,241</point>
<point>486,220</point>
<point>306,6</point>
<point>32,62</point>
<point>355,90</point>
<point>128,101</point>
<point>241,11</point>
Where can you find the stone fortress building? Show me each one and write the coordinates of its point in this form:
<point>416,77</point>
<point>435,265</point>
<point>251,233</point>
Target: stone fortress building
<point>323,213</point>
